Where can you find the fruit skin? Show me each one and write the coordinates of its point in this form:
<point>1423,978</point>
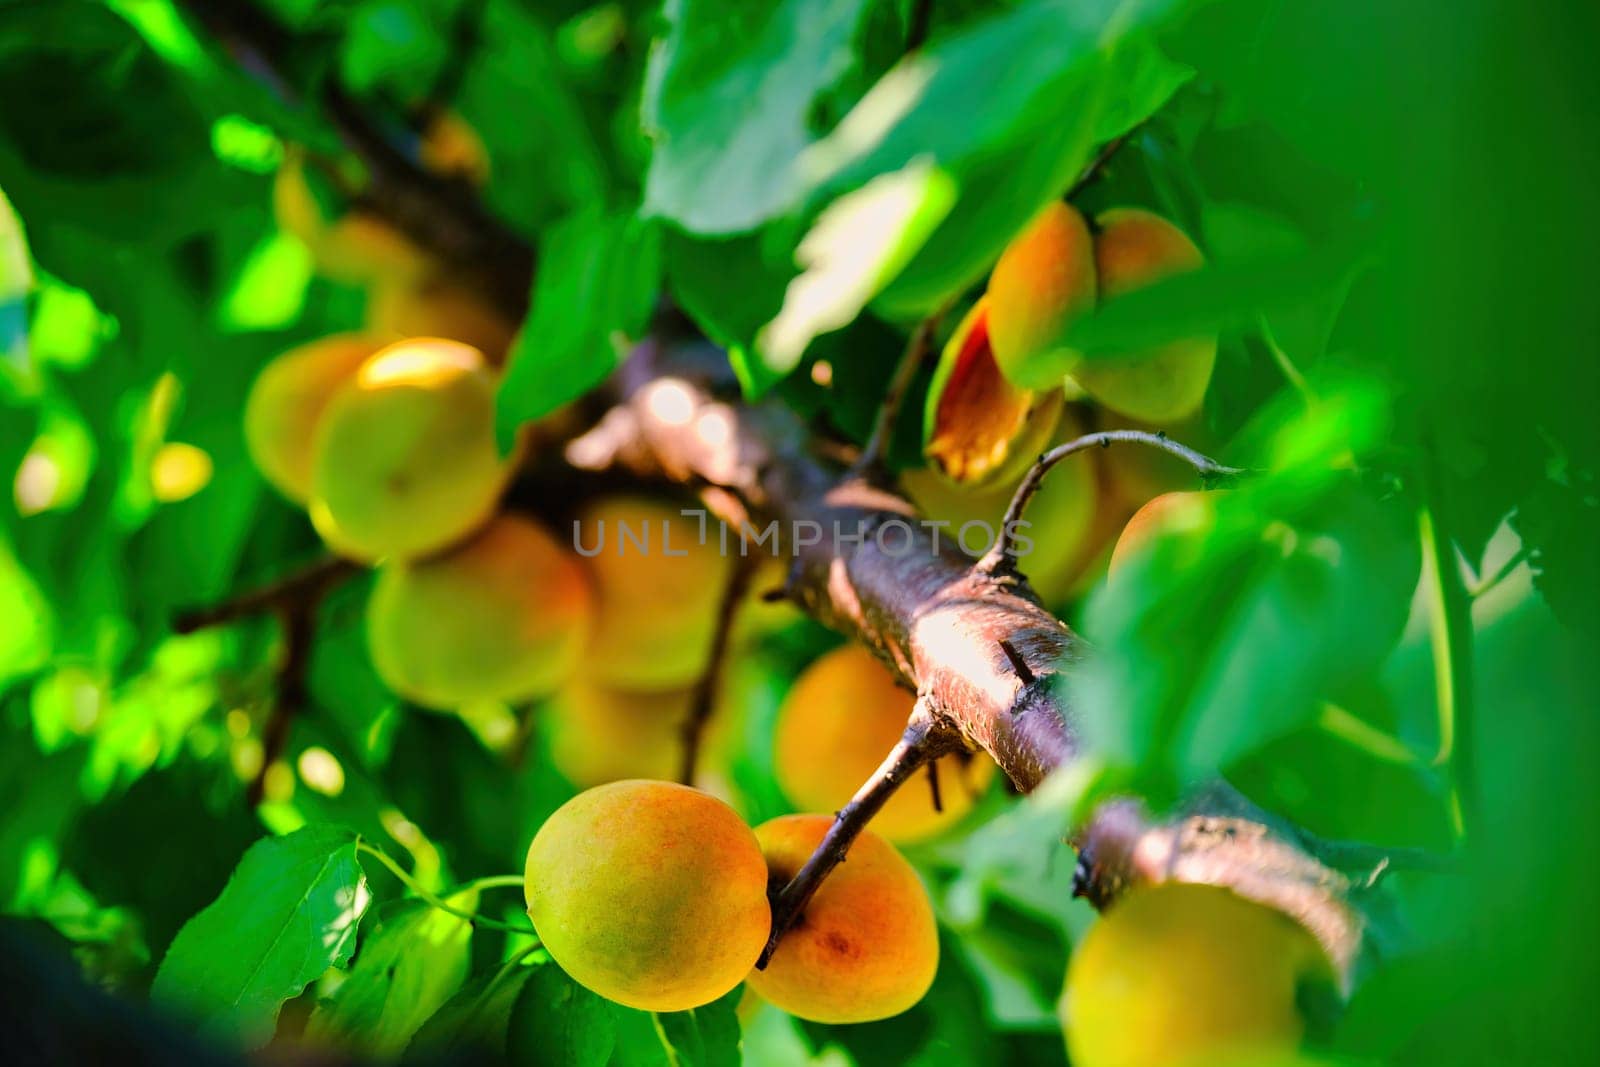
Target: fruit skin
<point>658,604</point>
<point>1186,974</point>
<point>434,307</point>
<point>866,947</point>
<point>599,734</point>
<point>505,616</point>
<point>1061,515</point>
<point>838,721</point>
<point>287,400</point>
<point>1169,511</point>
<point>1043,280</point>
<point>978,428</point>
<point>650,894</point>
<point>405,455</point>
<point>1135,248</point>
<point>356,248</point>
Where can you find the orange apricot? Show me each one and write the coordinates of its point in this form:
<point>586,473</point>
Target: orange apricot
<point>1043,280</point>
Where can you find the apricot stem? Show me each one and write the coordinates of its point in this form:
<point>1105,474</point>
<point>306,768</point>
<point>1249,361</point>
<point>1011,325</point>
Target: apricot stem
<point>999,559</point>
<point>434,900</point>
<point>922,742</point>
<point>705,687</point>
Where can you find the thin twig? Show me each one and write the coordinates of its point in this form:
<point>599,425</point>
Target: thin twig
<point>704,698</point>
<point>873,454</point>
<point>309,582</point>
<point>434,900</point>
<point>1092,170</point>
<point>921,743</point>
<point>1504,571</point>
<point>999,555</point>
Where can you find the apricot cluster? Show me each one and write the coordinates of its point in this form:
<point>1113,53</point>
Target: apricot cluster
<point>1009,385</point>
<point>655,895</point>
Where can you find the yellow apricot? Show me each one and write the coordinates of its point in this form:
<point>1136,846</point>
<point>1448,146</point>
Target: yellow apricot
<point>650,894</point>
<point>1043,280</point>
<point>1135,248</point>
<point>353,248</point>
<point>978,428</point>
<point>659,591</point>
<point>287,401</point>
<point>434,307</point>
<point>1187,974</point>
<point>1167,512</point>
<point>839,720</point>
<point>504,616</point>
<point>867,945</point>
<point>1060,516</point>
<point>405,461</point>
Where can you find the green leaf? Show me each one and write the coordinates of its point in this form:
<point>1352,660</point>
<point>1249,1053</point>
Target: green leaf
<point>704,1037</point>
<point>477,1017</point>
<point>727,95</point>
<point>597,285</point>
<point>558,1022</point>
<point>856,245</point>
<point>408,967</point>
<point>288,914</point>
<point>26,621</point>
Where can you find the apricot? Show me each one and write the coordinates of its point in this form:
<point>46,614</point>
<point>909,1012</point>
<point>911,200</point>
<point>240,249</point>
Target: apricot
<point>1187,974</point>
<point>867,945</point>
<point>434,307</point>
<point>1043,280</point>
<point>1060,516</point>
<point>838,721</point>
<point>287,401</point>
<point>978,428</point>
<point>405,461</point>
<point>504,617</point>
<point>660,589</point>
<point>353,246</point>
<point>650,894</point>
<point>1166,513</point>
<point>1135,248</point>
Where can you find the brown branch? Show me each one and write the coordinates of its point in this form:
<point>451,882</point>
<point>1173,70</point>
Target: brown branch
<point>917,23</point>
<point>1095,166</point>
<point>704,698</point>
<point>999,559</point>
<point>924,741</point>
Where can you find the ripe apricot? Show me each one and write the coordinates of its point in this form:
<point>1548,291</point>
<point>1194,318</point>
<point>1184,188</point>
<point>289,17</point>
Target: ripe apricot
<point>978,428</point>
<point>405,461</point>
<point>659,591</point>
<point>1135,248</point>
<point>650,894</point>
<point>1060,516</point>
<point>866,947</point>
<point>839,720</point>
<point>599,734</point>
<point>434,307</point>
<point>1187,974</point>
<point>504,616</point>
<point>1167,512</point>
<point>287,401</point>
<point>1043,280</point>
<point>353,247</point>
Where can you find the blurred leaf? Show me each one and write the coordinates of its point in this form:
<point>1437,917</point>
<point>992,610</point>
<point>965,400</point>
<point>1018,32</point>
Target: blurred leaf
<point>597,285</point>
<point>557,1021</point>
<point>270,290</point>
<point>25,620</point>
<point>408,966</point>
<point>288,913</point>
<point>727,97</point>
<point>705,1037</point>
<point>856,245</point>
<point>394,43</point>
<point>732,288</point>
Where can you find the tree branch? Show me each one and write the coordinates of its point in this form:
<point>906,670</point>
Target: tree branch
<point>999,559</point>
<point>869,464</point>
<point>306,584</point>
<point>923,742</point>
<point>704,698</point>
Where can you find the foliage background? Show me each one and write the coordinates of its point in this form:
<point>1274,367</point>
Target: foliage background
<point>1398,201</point>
